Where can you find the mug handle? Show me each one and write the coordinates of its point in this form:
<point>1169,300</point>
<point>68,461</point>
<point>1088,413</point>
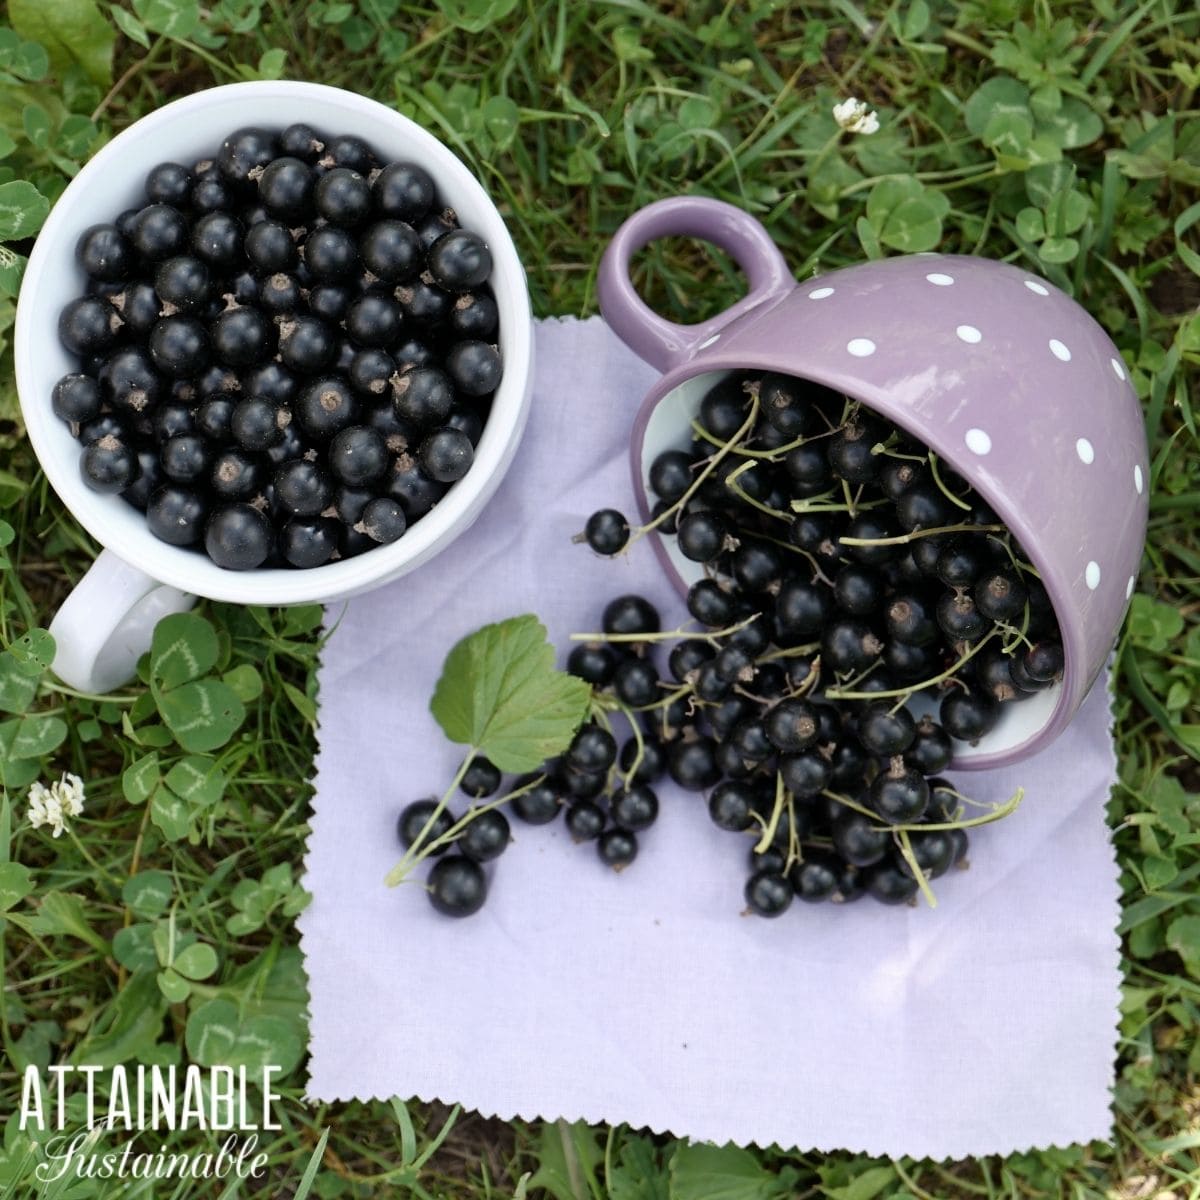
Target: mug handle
<point>105,625</point>
<point>664,343</point>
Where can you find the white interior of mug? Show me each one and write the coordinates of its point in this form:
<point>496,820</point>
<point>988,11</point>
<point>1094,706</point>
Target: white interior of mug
<point>190,129</point>
<point>669,428</point>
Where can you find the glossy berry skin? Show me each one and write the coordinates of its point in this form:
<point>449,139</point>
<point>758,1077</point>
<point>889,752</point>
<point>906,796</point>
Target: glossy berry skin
<point>652,763</point>
<point>1000,595</point>
<point>961,561</point>
<point>968,715</point>
<point>185,458</point>
<point>636,683</point>
<point>750,741</point>
<point>412,488</point>
<point>586,785</point>
<point>308,542</point>
<point>168,183</point>
<point>617,848</point>
<point>256,424</point>
<point>415,816</point>
<point>540,805</point>
<point>346,150</point>
<point>325,407</point>
<point>307,345</point>
<point>858,590</point>
<point>214,417</point>
<point>671,474</point>
<point>909,618</point>
<point>358,456</point>
<point>850,452</point>
<point>176,515</point>
<point>592,748</point>
<point>330,254</point>
<point>710,604</point>
<point>482,778</point>
<point>104,253</point>
<point>816,878</point>
<point>849,646</point>
<point>179,346</point>
<point>900,794</point>
<point>446,454</point>
<point>631,614</point>
<point>474,367</point>
<point>802,611</point>
<point>343,197</point>
<point>808,468</point>
<point>403,190</point>
<point>959,618</point>
<point>108,464</point>
<point>216,239</point>
<point>757,566</point>
<point>286,189</point>
<point>585,820</point>
<point>686,656</point>
<point>238,537</point>
<point>459,261</point>
<point>723,407</point>
<point>242,151</point>
<point>806,774</point>
<point>934,850</point>
<point>457,886</point>
<point>768,894</point>
<point>158,232</point>
<point>931,748</point>
<point>730,805</point>
<point>88,324</point>
<point>885,732</point>
<point>701,535</point>
<point>242,337</point>
<point>76,398</point>
<point>791,726</point>
<point>423,396</point>
<point>391,251</point>
<point>890,884</point>
<point>301,141</point>
<point>634,807</point>
<point>474,316</point>
<point>870,527</point>
<point>382,520</point>
<point>593,662</point>
<point>860,840</point>
<point>781,398</point>
<point>606,531</point>
<point>302,488</point>
<point>923,506</point>
<point>692,764</point>
<point>1044,662</point>
<point>373,320</point>
<point>486,837</point>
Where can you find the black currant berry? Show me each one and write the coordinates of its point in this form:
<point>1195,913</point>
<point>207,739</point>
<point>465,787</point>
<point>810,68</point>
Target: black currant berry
<point>179,346</point>
<point>244,150</point>
<point>176,515</point>
<point>850,451</point>
<point>1044,662</point>
<point>423,396</point>
<point>413,819</point>
<point>184,282</point>
<point>816,878</point>
<point>475,316</point>
<point>330,254</point>
<point>403,190</point>
<point>108,464</point>
<point>959,618</point>
<point>710,604</point>
<point>636,683</point>
<point>158,232</point>
<point>238,537</point>
<point>446,454</point>
<point>849,646</point>
<point>308,542</point>
<point>802,611</point>
<point>792,726</point>
<point>768,894</point>
<point>858,590</point>
<point>457,886</point>
<point>87,325</point>
<point>285,189</point>
<point>634,807</point>
<point>460,260</point>
<point>243,337</point>
<point>486,837</point>
<point>391,251</point>
<point>606,531</point>
<point>701,535</point>
<point>861,841</point>
<point>968,715</point>
<point>805,774</point>
<point>302,488</point>
<point>692,764</point>
<point>104,253</point>
<point>540,804</point>
<point>475,368</point>
<point>217,239</point>
<point>899,794</point>
<point>910,618</point>
<point>358,456</point>
<point>76,398</point>
<point>885,730</point>
<point>325,407</point>
<point>891,884</point>
<point>631,614</point>
<point>1000,595</point>
<point>931,750</point>
<point>617,848</point>
<point>585,820</point>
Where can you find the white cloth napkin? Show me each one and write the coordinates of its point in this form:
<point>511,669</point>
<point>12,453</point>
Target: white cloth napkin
<point>984,1026</point>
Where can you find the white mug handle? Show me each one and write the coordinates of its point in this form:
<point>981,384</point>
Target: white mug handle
<point>105,625</point>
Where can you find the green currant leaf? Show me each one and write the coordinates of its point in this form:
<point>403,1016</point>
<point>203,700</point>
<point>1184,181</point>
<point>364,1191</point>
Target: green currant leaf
<point>501,694</point>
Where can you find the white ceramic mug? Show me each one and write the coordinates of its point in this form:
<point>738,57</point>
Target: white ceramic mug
<point>106,623</point>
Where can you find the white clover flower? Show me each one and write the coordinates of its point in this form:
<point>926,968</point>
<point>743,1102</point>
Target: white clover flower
<point>51,806</point>
<point>852,115</point>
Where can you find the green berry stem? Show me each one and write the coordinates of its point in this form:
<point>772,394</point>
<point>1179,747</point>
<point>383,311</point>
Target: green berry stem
<point>731,484</point>
<point>768,834</point>
<point>812,558</point>
<point>413,854</point>
<point>885,448</point>
<point>997,812</point>
<point>902,539</point>
<point>941,486</point>
<point>933,681</point>
<point>668,636</point>
<point>906,851</point>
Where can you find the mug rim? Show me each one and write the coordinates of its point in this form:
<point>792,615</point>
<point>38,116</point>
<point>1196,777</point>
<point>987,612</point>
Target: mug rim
<point>185,567</point>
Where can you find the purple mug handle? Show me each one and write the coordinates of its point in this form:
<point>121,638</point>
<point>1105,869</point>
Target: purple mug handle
<point>664,343</point>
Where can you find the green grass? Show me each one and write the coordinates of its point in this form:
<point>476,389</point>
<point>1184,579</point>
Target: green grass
<point>1080,160</point>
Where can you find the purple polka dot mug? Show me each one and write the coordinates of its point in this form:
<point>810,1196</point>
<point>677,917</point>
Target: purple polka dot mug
<point>1001,374</point>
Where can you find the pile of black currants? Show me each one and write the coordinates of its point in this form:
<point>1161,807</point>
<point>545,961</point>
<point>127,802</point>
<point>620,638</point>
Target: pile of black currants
<point>859,610</point>
<point>287,355</point>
